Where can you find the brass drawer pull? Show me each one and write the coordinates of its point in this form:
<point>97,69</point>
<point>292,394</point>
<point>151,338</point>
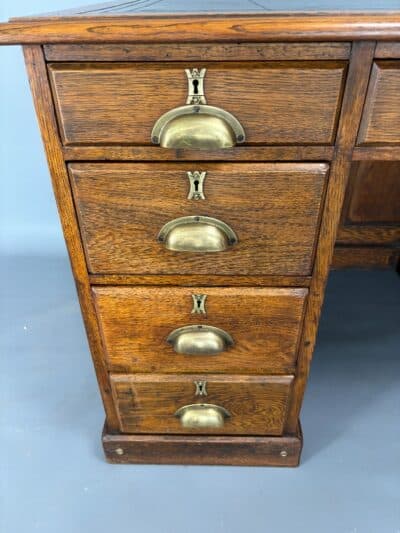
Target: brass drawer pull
<point>197,234</point>
<point>202,416</point>
<point>196,124</point>
<point>199,340</point>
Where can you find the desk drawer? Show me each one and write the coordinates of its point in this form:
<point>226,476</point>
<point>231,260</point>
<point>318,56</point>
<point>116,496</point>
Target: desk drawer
<point>180,329</point>
<point>276,102</point>
<point>381,119</point>
<point>229,405</point>
<point>272,209</point>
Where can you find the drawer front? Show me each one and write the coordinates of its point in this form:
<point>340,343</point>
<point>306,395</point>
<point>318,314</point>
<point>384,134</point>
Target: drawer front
<point>273,210</point>
<point>381,119</point>
<point>276,102</point>
<point>262,327</point>
<point>229,405</point>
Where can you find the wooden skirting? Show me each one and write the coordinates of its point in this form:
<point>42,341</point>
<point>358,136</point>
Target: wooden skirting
<point>198,450</point>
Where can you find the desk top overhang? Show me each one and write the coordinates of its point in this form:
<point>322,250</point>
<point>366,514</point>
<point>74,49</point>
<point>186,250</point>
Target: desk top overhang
<point>164,21</point>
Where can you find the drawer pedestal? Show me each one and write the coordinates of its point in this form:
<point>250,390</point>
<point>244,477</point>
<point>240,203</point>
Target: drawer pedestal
<point>200,168</point>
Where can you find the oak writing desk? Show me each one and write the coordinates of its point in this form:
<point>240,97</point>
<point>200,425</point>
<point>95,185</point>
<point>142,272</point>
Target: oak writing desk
<point>200,163</point>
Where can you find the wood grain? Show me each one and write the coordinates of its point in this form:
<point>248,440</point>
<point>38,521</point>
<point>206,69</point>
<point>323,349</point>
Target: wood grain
<point>147,403</point>
<point>369,234</point>
<point>119,103</point>
<point>193,280</point>
<point>189,52</point>
<point>376,153</point>
<point>381,119</point>
<point>340,26</point>
<point>388,50</point>
<point>265,325</point>
<point>202,450</point>
<point>44,109</point>
<point>365,257</point>
<point>374,193</point>
<point>273,208</point>
<point>353,102</point>
<point>238,153</point>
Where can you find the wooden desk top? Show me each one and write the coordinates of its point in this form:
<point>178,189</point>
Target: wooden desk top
<point>210,21</point>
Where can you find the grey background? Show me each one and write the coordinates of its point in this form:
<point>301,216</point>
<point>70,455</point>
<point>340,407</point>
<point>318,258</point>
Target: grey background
<point>52,472</point>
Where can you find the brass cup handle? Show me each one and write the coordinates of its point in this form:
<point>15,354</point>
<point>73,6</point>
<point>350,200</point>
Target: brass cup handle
<point>202,127</point>
<point>197,125</point>
<point>199,340</point>
<point>197,234</point>
<point>202,416</point>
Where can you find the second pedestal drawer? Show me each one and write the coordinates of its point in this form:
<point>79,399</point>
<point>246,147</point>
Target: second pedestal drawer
<point>207,329</point>
<point>199,218</point>
<point>242,405</point>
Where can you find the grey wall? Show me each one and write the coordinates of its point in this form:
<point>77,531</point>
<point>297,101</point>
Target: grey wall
<point>28,216</point>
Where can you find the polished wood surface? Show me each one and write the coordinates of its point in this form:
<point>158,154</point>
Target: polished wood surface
<point>188,52</point>
<point>202,450</point>
<point>375,193</point>
<point>193,280</point>
<point>308,87</point>
<point>365,257</point>
<point>381,119</point>
<point>238,153</point>
<point>389,50</point>
<point>36,69</point>
<point>265,325</point>
<point>147,403</point>
<point>95,107</point>
<point>262,27</point>
<point>367,234</point>
<point>370,217</point>
<point>353,101</point>
<point>273,208</point>
<point>376,153</point>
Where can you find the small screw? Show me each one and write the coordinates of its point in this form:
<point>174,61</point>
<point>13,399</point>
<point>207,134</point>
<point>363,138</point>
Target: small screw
<point>196,109</point>
<point>240,138</point>
<point>155,140</point>
<point>196,219</point>
<point>161,238</point>
<point>119,451</point>
<point>283,453</point>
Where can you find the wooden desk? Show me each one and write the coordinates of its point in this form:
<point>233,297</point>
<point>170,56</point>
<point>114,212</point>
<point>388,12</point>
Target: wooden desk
<point>200,163</point>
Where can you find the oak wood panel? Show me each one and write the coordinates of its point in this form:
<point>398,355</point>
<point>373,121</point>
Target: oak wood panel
<point>353,101</point>
<point>388,50</point>
<point>37,73</point>
<point>273,208</point>
<point>238,153</point>
<point>265,325</point>
<point>119,103</point>
<point>147,403</point>
<point>193,280</point>
<point>365,257</point>
<point>203,450</point>
<point>369,235</point>
<point>374,193</point>
<point>381,118</point>
<point>319,26</point>
<point>376,153</point>
<point>190,52</point>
